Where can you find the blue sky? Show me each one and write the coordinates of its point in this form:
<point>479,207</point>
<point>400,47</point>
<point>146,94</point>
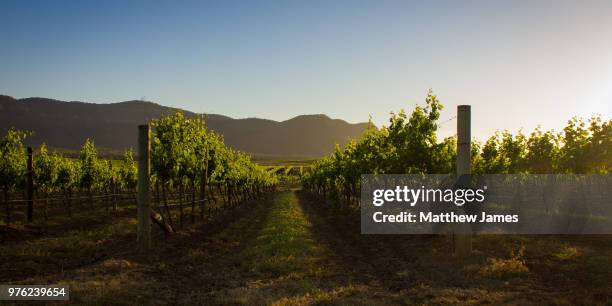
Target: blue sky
<point>519,63</point>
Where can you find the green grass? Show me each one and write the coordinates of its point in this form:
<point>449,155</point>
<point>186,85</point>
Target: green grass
<point>51,254</point>
<point>284,245</point>
<point>287,265</point>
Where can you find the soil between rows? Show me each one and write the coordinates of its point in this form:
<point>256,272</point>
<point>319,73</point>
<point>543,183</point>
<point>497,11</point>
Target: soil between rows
<point>293,249</point>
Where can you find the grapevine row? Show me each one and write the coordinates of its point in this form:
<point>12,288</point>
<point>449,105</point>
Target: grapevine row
<point>186,159</point>
<point>410,145</point>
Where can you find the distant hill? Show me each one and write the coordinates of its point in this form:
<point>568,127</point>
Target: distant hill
<point>112,126</point>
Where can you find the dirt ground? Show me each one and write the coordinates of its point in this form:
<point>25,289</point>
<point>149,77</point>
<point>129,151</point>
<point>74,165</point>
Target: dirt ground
<point>293,249</point>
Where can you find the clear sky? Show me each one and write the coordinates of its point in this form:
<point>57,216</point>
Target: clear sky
<point>518,63</point>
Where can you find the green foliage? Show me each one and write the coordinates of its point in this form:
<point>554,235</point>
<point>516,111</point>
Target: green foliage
<point>600,146</point>
<point>409,145</point>
<point>128,172</point>
<point>183,153</point>
<point>46,168</point>
<point>183,150</point>
<point>12,159</point>
<point>580,148</point>
<point>572,157</point>
<point>68,175</point>
<point>89,165</point>
<point>542,149</point>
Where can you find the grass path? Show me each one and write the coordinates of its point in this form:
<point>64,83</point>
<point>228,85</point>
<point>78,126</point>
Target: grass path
<point>286,265</point>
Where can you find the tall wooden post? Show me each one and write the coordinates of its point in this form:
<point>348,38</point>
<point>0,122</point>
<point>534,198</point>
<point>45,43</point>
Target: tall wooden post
<point>144,223</point>
<point>30,186</point>
<point>463,241</point>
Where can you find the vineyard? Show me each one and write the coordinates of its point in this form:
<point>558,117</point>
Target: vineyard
<point>410,145</point>
<point>191,168</point>
<point>228,230</point>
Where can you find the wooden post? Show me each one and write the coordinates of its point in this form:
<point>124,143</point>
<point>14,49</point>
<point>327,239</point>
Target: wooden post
<point>463,242</point>
<point>30,186</point>
<point>144,223</point>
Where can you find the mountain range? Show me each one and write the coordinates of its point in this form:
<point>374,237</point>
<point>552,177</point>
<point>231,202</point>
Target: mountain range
<point>113,127</point>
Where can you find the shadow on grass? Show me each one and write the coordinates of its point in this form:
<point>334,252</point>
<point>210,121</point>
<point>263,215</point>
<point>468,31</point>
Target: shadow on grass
<point>285,265</point>
<point>421,269</point>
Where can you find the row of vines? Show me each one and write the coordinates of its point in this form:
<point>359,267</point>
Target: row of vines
<point>189,164</point>
<point>410,145</point>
